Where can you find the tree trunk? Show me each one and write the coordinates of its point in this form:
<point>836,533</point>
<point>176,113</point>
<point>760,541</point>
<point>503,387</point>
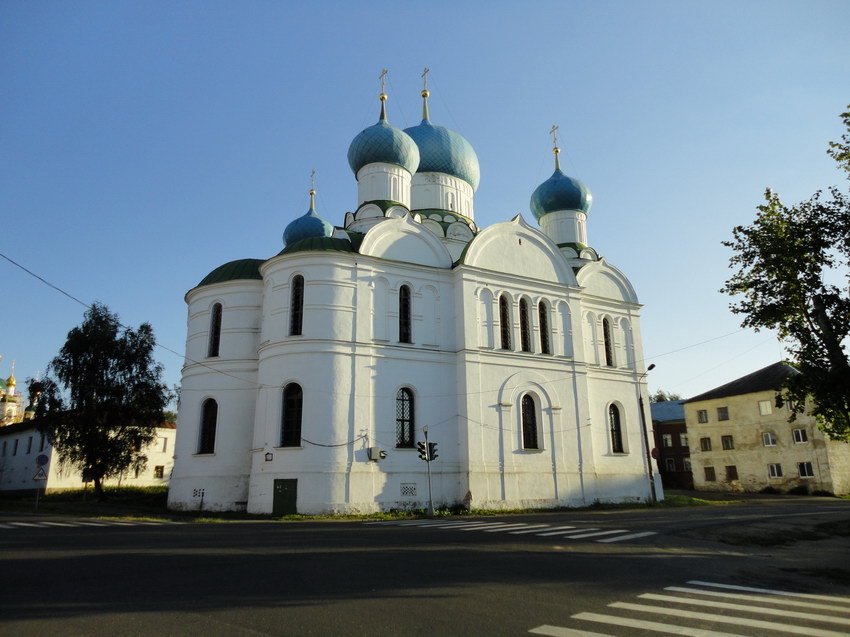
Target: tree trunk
<point>98,489</point>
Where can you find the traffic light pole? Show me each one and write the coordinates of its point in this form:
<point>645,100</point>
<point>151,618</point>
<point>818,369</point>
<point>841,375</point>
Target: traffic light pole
<point>428,462</point>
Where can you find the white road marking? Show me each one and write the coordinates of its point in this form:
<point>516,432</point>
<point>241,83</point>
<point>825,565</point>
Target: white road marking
<point>631,536</point>
<point>531,529</point>
<point>655,626</point>
<point>506,528</point>
<point>596,534</point>
<point>556,530</point>
<point>58,524</point>
<point>758,598</point>
<point>33,524</point>
<point>768,591</point>
<point>558,631</point>
<point>746,608</point>
<point>738,621</point>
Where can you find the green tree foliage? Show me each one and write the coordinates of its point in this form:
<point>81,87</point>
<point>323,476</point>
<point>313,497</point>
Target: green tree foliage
<point>103,397</point>
<point>661,396</point>
<point>793,267</point>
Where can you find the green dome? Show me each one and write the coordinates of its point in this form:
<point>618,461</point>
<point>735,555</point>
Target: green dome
<point>234,271</point>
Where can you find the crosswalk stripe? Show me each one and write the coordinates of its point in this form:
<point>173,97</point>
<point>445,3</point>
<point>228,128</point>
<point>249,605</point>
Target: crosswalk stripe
<point>90,523</point>
<point>768,591</point>
<point>490,525</point>
<point>530,529</point>
<point>738,621</point>
<point>33,524</point>
<point>462,525</point>
<point>630,536</point>
<point>596,534</point>
<point>660,627</point>
<point>558,631</point>
<point>505,528</point>
<point>746,608</point>
<point>556,530</point>
<point>58,524</point>
<point>759,598</point>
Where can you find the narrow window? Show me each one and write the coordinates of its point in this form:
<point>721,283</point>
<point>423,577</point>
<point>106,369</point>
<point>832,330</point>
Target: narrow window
<point>709,474</point>
<point>404,424</point>
<point>702,415</point>
<point>683,440</point>
<point>529,423</point>
<point>209,420</point>
<point>705,444</point>
<point>290,426</point>
<point>609,344</point>
<point>15,449</point>
<point>670,464</point>
<point>40,443</point>
<point>774,470</point>
<point>768,439</point>
<point>524,326</point>
<point>164,445</point>
<point>800,436</point>
<point>616,429</point>
<point>722,413</point>
<point>159,471</point>
<point>296,306</point>
<point>806,470</point>
<point>29,445</point>
<point>727,442</point>
<point>686,463</point>
<point>505,321</point>
<point>666,440</point>
<point>543,320</point>
<point>404,335</point>
<point>731,472</point>
<point>215,330</point>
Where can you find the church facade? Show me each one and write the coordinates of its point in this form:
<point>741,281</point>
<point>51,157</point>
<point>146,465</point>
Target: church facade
<point>311,376</point>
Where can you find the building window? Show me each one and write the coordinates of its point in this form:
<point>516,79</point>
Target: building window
<point>800,436</point>
<point>731,472</point>
<point>666,440</point>
<point>609,343</point>
<point>15,449</point>
<point>806,470</point>
<point>774,470</point>
<point>296,306</point>
<point>616,429</point>
<point>709,474</point>
<point>543,320</point>
<point>404,424</point>
<point>164,445</point>
<point>215,330</point>
<point>768,439</point>
<point>29,445</point>
<point>158,471</point>
<point>41,443</point>
<point>683,440</point>
<point>670,464</point>
<point>505,321</point>
<point>705,444</point>
<point>290,426</point>
<point>404,324</point>
<point>524,326</point>
<point>686,464</point>
<point>529,423</point>
<point>727,442</point>
<point>722,413</point>
<point>764,407</point>
<point>702,415</point>
<point>209,420</point>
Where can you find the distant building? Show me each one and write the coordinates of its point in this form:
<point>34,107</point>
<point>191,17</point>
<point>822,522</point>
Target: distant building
<point>741,441</point>
<point>11,403</point>
<point>671,443</point>
<point>25,453</point>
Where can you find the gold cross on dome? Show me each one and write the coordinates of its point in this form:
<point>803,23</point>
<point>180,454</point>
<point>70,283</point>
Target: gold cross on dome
<point>313,180</point>
<point>425,78</point>
<point>382,77</point>
<point>554,133</point>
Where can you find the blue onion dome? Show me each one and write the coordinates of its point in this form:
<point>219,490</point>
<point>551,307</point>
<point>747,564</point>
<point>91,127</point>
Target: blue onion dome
<point>307,226</point>
<point>442,150</point>
<point>560,192</point>
<point>383,143</point>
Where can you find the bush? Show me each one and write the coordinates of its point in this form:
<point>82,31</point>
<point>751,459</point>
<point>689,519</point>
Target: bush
<point>823,494</point>
<point>800,489</point>
<point>770,489</point>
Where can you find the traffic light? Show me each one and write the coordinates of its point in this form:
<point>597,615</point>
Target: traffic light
<point>423,451</point>
<point>432,451</point>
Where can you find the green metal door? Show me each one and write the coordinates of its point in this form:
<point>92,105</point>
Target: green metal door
<point>285,497</point>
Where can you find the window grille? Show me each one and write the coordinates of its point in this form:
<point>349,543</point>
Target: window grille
<point>404,424</point>
<point>296,306</point>
<point>524,326</point>
<point>404,331</point>
<point>529,423</point>
<point>543,319</point>
<point>209,422</point>
<point>290,426</point>
<point>215,330</point>
<point>505,322</point>
<point>616,429</point>
<point>609,343</point>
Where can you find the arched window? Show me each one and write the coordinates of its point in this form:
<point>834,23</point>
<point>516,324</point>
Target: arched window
<point>296,306</point>
<point>543,320</point>
<point>215,330</point>
<point>609,342</point>
<point>616,429</point>
<point>529,423</point>
<point>404,423</point>
<point>290,425</point>
<point>505,321</point>
<point>524,326</point>
<point>209,420</point>
<point>404,335</point>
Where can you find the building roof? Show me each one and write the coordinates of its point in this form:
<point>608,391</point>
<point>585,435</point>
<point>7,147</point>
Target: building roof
<point>234,270</point>
<point>668,410</point>
<point>767,378</point>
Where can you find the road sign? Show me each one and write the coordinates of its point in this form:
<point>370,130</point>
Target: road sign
<point>40,475</point>
<point>42,460</point>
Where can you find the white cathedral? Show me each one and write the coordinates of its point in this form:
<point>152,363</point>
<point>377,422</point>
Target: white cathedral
<point>311,376</point>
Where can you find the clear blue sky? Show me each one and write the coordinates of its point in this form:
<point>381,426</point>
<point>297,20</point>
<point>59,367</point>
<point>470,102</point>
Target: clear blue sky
<point>142,144</point>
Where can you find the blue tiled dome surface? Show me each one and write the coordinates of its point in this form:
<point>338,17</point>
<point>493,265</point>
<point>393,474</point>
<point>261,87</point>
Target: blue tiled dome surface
<point>385,144</point>
<point>442,150</point>
<point>560,192</point>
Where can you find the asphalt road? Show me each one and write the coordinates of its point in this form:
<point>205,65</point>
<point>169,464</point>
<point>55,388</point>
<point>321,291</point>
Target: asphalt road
<point>494,576</point>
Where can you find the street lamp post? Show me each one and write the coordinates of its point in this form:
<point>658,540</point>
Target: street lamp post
<point>645,436</point>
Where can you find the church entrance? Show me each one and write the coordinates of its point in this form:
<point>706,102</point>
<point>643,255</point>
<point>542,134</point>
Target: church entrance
<point>285,497</point>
